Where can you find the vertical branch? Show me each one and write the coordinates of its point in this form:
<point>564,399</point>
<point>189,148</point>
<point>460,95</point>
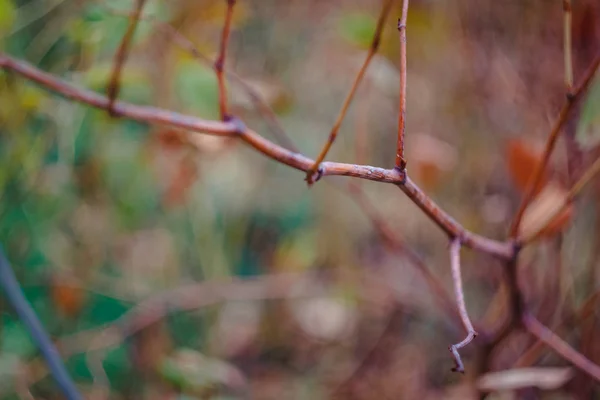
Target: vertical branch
<point>17,300</point>
<point>567,45</point>
<point>400,161</point>
<point>310,175</point>
<point>455,246</point>
<point>220,62</point>
<point>114,84</point>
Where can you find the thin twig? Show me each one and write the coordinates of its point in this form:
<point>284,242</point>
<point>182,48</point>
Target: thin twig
<point>220,62</point>
<point>567,45</point>
<point>114,84</point>
<point>17,299</point>
<point>455,246</point>
<point>400,161</point>
<point>312,173</point>
<point>534,183</point>
<point>235,128</point>
<point>537,329</point>
<point>588,175</point>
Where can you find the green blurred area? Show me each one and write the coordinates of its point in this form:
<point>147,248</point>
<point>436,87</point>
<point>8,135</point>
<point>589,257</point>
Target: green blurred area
<point>98,214</point>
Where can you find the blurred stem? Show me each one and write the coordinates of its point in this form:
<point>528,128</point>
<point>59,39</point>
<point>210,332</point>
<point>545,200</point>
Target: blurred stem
<point>400,161</point>
<point>220,62</point>
<point>17,299</point>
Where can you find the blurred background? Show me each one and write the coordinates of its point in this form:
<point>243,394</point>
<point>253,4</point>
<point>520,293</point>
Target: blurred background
<point>174,266</point>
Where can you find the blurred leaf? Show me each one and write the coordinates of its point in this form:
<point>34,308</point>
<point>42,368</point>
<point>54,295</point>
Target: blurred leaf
<point>16,339</point>
<point>543,378</point>
<point>523,157</point>
<point>195,373</point>
<point>357,28</point>
<point>541,210</point>
<point>67,298</point>
<point>7,16</point>
<point>588,129</point>
<point>197,89</point>
<point>431,158</point>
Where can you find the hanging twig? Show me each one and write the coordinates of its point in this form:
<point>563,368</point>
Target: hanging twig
<point>17,300</point>
<point>455,246</point>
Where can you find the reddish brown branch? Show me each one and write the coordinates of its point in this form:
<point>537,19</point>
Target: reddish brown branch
<point>534,184</point>
<point>220,62</point>
<point>114,84</point>
<point>462,308</point>
<point>400,161</point>
<point>264,146</point>
<point>312,173</point>
<point>537,329</point>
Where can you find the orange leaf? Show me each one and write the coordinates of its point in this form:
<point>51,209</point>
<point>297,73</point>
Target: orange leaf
<point>67,298</point>
<point>523,158</point>
<point>540,218</point>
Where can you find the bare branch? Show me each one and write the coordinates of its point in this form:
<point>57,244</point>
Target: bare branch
<point>114,84</point>
<point>400,161</point>
<point>312,173</point>
<point>220,62</point>
<point>568,45</point>
<point>537,175</point>
<point>455,246</point>
<point>235,128</point>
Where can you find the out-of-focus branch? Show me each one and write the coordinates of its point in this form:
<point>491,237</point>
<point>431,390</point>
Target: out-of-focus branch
<point>114,84</point>
<point>220,62</point>
<point>187,298</point>
<point>236,128</point>
<point>400,161</point>
<point>537,329</point>
<point>537,175</point>
<point>17,300</point>
<point>462,308</point>
<point>312,174</point>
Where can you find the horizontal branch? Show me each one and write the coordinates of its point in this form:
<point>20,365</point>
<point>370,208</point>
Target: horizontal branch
<point>235,128</point>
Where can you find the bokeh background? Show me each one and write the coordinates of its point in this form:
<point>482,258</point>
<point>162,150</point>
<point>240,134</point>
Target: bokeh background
<point>99,215</point>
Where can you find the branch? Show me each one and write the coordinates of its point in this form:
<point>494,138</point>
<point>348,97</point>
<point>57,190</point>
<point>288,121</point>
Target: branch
<point>567,45</point>
<point>312,174</point>
<point>400,161</point>
<point>220,62</point>
<point>235,128</point>
<point>17,300</point>
<point>462,308</point>
<point>537,329</point>
<point>537,175</point>
<point>114,84</point>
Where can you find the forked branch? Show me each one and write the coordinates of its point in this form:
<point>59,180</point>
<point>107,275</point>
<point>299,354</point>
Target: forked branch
<point>312,174</point>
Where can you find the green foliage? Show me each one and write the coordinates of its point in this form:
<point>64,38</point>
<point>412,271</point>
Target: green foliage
<point>357,28</point>
<point>588,129</point>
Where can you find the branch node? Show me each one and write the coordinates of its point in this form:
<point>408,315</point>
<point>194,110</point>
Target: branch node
<point>238,125</point>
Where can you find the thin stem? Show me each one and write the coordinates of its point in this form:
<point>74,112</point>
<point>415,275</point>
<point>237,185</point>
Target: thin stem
<point>312,173</point>
<point>114,84</point>
<point>538,174</point>
<point>455,246</point>
<point>567,45</point>
<point>400,161</point>
<point>17,300</point>
<point>235,128</point>
<point>220,62</point>
<point>537,329</point>
<point>588,175</point>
